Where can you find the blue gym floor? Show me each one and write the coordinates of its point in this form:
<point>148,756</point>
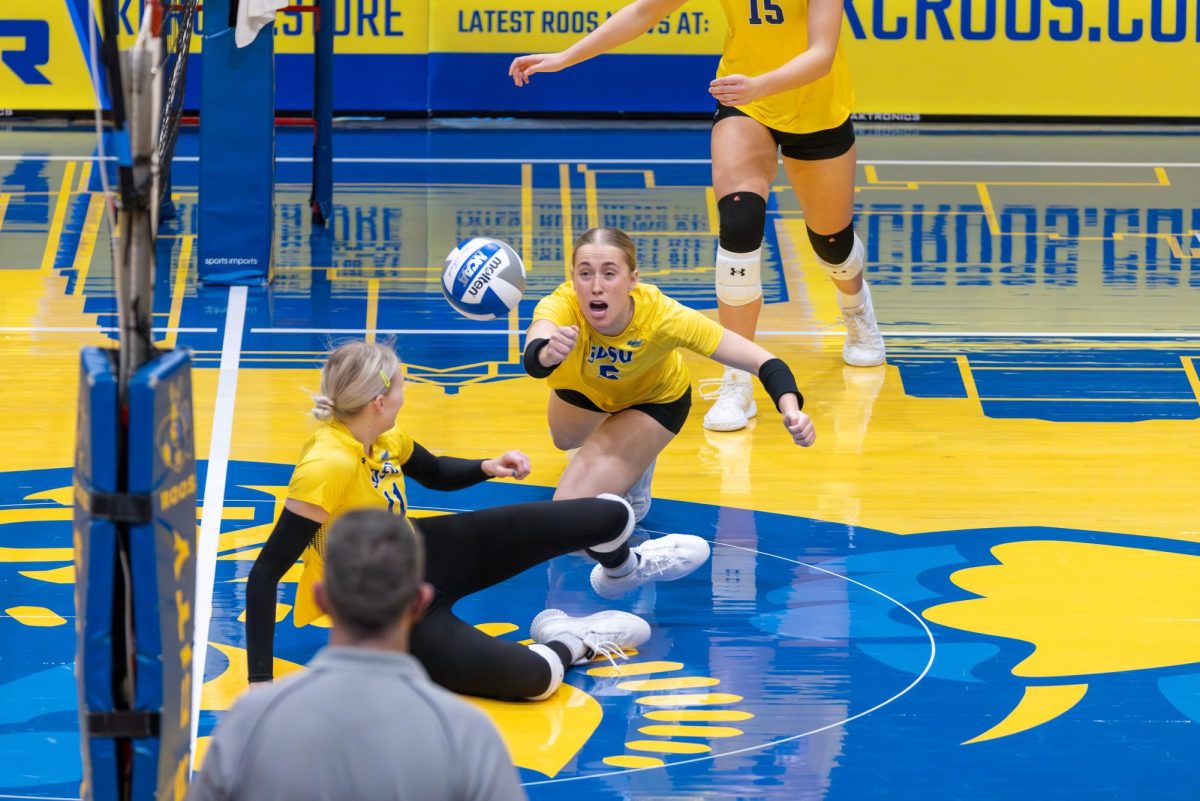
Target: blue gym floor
<point>978,584</point>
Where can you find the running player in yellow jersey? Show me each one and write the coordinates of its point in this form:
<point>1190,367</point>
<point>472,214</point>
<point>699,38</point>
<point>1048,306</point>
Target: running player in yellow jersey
<point>782,86</point>
<point>359,457</point>
<point>608,347</point>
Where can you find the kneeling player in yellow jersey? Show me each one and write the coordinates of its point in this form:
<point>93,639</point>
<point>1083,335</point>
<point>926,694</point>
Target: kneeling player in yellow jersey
<point>607,345</point>
<point>782,87</point>
<point>359,457</point>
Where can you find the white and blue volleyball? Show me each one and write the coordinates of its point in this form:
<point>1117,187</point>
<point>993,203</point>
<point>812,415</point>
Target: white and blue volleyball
<point>483,279</point>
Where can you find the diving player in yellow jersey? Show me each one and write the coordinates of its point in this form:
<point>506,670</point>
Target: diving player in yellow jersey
<point>359,457</point>
<point>607,345</point>
<point>782,87</point>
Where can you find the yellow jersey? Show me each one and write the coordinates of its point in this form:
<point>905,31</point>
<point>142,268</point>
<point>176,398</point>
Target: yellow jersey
<point>638,365</point>
<point>763,35</point>
<point>337,474</point>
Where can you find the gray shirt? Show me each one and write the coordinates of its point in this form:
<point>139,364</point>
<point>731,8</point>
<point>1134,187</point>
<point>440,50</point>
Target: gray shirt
<point>359,725</point>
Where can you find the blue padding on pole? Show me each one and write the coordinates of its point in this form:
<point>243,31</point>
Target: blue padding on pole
<point>322,191</point>
<point>96,460</point>
<point>237,154</point>
<point>161,464</point>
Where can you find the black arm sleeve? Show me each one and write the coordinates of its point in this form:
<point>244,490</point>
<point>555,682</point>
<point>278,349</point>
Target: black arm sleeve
<point>530,360</point>
<point>289,538</point>
<point>777,380</point>
<point>442,472</point>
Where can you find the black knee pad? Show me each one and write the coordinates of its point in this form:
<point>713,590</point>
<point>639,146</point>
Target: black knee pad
<point>743,217</point>
<point>833,248</point>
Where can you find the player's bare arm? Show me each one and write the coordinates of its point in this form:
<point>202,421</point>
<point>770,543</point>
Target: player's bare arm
<point>626,25</point>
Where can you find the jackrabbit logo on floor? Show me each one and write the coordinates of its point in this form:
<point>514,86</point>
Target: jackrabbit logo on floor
<point>780,637</point>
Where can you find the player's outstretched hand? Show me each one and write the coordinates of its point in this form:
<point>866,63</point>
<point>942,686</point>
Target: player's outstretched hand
<point>524,66</point>
<point>561,343</point>
<point>800,426</point>
<point>512,464</point>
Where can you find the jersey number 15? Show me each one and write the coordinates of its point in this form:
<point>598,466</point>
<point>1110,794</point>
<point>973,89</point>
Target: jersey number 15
<point>774,14</point>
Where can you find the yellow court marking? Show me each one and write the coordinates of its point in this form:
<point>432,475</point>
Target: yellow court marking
<point>1039,705</point>
<point>55,575</point>
<point>496,629</point>
<point>568,234</point>
<point>989,211</point>
<point>35,616</point>
<point>635,669</point>
<point>589,196</point>
<point>689,699</point>
<point>37,554</point>
<point>178,290</point>
<point>3,207</point>
<point>60,214</point>
<point>281,613</point>
<point>679,683</point>
<point>721,715</point>
<point>1160,179</point>
<point>668,747</point>
<point>85,175</point>
<point>372,308</point>
<point>248,555</point>
<point>87,241</point>
<point>1189,368</point>
<point>964,369</point>
<point>514,316</point>
<point>631,761</point>
<point>691,731</point>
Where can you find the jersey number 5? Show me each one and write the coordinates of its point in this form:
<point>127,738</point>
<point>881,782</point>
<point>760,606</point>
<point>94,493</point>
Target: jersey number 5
<point>774,13</point>
<point>610,371</point>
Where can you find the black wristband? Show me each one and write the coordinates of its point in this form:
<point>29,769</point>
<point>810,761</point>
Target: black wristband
<point>777,380</point>
<point>530,360</point>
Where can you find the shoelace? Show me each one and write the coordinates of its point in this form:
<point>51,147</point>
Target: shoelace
<point>857,325</point>
<point>608,649</point>
<point>654,562</point>
<point>711,388</point>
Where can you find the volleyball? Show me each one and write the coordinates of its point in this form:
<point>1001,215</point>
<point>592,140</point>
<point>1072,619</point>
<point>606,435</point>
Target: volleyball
<point>483,278</point>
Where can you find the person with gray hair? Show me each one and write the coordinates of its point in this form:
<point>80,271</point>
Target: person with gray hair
<point>364,721</point>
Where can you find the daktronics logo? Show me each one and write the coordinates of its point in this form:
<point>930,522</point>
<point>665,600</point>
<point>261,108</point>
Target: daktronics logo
<point>25,46</point>
<point>1165,21</point>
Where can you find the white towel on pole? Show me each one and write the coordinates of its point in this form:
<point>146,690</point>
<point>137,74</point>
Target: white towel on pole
<point>253,16</point>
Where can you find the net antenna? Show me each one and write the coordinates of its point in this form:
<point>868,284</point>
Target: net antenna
<point>146,84</point>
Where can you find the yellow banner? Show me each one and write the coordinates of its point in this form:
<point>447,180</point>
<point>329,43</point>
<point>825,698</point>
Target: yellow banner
<point>376,27</point>
<point>533,26</point>
<point>42,65</point>
<point>1025,57</point>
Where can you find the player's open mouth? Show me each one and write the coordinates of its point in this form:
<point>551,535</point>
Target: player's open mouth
<point>598,308</point>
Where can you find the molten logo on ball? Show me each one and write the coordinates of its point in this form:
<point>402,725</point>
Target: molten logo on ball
<point>483,279</point>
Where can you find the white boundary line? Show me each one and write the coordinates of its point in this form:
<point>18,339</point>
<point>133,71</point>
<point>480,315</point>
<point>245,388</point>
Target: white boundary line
<point>818,730</point>
<point>761,746</point>
<point>82,329</point>
<point>214,493</point>
<point>576,160</point>
<point>777,333</point>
